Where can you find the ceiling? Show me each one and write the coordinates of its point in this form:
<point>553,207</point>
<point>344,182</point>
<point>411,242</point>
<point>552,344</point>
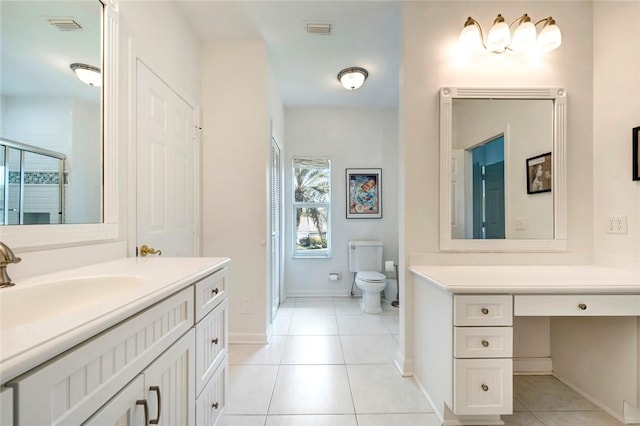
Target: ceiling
<point>364,34</point>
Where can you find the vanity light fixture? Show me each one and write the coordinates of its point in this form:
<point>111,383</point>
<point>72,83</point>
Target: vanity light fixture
<point>352,78</point>
<point>88,74</point>
<point>499,39</point>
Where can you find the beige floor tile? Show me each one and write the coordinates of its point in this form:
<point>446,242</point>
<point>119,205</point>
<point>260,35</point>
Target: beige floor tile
<point>231,420</point>
<point>270,353</point>
<point>398,420</point>
<point>361,325</point>
<point>521,419</point>
<point>281,325</point>
<point>577,418</point>
<point>369,349</point>
<point>313,326</point>
<point>546,393</point>
<point>250,388</point>
<point>311,389</point>
<point>313,350</point>
<point>313,420</point>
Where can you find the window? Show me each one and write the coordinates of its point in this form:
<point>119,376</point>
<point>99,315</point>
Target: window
<point>312,207</point>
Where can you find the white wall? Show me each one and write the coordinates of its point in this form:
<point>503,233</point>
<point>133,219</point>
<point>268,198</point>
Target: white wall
<point>616,112</point>
<point>430,61</point>
<point>236,142</point>
<point>350,138</point>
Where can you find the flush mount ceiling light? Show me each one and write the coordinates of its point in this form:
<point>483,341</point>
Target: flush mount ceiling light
<point>352,78</point>
<point>499,40</point>
<point>88,74</point>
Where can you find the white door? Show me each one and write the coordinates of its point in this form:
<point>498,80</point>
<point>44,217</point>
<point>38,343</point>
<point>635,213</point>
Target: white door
<point>276,215</point>
<point>166,172</point>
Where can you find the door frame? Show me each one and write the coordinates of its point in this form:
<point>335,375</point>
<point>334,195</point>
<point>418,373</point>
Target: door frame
<point>275,138</point>
<point>135,55</point>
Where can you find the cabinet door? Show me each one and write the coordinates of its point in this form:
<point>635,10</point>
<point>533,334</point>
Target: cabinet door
<point>169,386</point>
<point>123,409</point>
<point>6,407</point>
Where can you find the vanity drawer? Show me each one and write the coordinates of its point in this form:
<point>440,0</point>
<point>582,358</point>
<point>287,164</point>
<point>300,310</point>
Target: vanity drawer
<point>483,386</point>
<point>481,310</point>
<point>577,305</point>
<point>209,292</point>
<point>211,343</point>
<point>213,399</point>
<point>482,342</point>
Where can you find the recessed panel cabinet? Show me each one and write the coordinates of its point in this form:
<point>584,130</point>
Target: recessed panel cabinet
<point>140,372</point>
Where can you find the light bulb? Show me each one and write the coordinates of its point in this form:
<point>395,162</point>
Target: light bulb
<point>470,38</point>
<point>550,37</point>
<point>499,35</point>
<point>524,37</point>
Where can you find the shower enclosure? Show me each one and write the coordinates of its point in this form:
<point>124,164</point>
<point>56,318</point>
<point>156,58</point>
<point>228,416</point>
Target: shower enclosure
<point>32,183</point>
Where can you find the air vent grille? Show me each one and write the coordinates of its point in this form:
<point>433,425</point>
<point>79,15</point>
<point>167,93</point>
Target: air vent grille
<point>322,29</point>
<point>65,24</point>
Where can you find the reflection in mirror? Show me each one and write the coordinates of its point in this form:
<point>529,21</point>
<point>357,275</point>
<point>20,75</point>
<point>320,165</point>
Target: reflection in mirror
<point>48,114</point>
<point>489,140</point>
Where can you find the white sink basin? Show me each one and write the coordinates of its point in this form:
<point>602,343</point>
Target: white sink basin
<point>57,298</point>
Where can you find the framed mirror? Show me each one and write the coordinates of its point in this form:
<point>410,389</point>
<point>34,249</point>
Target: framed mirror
<point>57,134</point>
<point>502,169</point>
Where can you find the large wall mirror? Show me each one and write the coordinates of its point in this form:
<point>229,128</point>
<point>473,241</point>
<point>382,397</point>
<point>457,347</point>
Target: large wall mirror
<point>57,132</point>
<point>502,169</point>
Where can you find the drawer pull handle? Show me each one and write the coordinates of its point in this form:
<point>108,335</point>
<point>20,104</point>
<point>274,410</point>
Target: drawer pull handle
<point>485,388</point>
<point>485,343</point>
<point>214,405</point>
<point>145,406</point>
<point>582,307</point>
<point>215,341</point>
<point>156,389</point>
<point>214,291</point>
<point>485,311</point>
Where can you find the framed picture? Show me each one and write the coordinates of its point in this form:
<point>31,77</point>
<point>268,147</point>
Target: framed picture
<point>364,193</point>
<point>636,153</point>
<point>539,173</point>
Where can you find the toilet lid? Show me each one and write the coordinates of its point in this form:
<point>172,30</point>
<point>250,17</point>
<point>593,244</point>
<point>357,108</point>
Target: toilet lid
<point>371,276</point>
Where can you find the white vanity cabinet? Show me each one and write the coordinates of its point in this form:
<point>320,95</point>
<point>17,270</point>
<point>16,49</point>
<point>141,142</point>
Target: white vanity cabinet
<point>148,369</point>
<point>482,354</point>
<point>6,407</point>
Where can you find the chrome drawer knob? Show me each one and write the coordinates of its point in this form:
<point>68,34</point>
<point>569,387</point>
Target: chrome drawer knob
<point>582,307</point>
<point>485,388</point>
<point>485,343</point>
<point>485,311</point>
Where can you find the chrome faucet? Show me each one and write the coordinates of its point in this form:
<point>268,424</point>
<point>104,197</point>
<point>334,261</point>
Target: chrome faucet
<point>6,257</point>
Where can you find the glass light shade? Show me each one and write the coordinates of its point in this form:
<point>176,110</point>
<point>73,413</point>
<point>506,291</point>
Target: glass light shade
<point>499,37</point>
<point>352,78</point>
<point>524,37</point>
<point>550,38</point>
<point>470,38</point>
<point>88,74</point>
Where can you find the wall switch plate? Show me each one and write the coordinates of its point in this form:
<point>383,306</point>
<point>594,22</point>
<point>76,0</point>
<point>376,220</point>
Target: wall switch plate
<point>616,225</point>
<point>245,306</point>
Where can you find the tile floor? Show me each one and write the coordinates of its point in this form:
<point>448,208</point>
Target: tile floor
<point>329,364</point>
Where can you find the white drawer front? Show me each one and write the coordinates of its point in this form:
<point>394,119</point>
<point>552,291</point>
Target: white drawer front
<point>212,401</point>
<point>482,342</point>
<point>210,291</point>
<point>211,343</point>
<point>577,305</point>
<point>482,386</point>
<point>482,310</point>
<point>69,389</point>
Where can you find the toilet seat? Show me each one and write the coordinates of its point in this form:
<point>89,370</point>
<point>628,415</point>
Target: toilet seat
<point>371,276</point>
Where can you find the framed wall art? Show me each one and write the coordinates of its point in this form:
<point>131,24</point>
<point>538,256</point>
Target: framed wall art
<point>539,170</point>
<point>364,193</point>
<point>636,153</point>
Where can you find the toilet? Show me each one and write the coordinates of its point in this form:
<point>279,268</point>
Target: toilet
<point>365,259</point>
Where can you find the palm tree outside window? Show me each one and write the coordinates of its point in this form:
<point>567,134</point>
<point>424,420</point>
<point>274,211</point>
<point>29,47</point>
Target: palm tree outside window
<point>312,207</point>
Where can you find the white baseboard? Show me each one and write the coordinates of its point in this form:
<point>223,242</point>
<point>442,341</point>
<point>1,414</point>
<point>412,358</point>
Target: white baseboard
<point>323,293</point>
<point>532,366</point>
<point>631,413</point>
<point>438,414</point>
<point>405,366</point>
<point>248,338</point>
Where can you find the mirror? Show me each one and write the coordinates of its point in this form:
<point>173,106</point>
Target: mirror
<point>57,150</point>
<point>502,174</point>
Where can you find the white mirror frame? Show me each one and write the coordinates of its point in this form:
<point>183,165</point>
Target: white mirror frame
<point>33,237</point>
<point>559,242</point>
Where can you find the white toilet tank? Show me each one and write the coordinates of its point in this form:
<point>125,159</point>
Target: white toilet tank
<point>365,256</point>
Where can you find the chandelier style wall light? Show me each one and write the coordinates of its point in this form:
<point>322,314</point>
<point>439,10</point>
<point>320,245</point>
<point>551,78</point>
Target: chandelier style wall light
<point>500,40</point>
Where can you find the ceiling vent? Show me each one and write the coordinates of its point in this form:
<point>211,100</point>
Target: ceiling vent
<point>65,24</point>
<point>322,29</point>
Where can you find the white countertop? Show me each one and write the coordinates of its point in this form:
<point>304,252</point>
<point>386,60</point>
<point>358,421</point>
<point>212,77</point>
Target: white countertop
<point>25,346</point>
<point>566,279</point>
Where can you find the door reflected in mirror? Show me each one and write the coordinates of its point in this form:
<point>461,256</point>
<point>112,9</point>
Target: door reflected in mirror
<point>48,115</point>
<point>491,141</point>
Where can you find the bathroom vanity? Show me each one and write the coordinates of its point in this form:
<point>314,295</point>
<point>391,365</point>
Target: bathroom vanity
<point>464,328</point>
<point>152,351</point>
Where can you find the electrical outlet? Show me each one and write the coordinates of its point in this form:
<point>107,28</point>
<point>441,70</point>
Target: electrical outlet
<point>616,225</point>
<point>245,306</point>
<point>520,224</point>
